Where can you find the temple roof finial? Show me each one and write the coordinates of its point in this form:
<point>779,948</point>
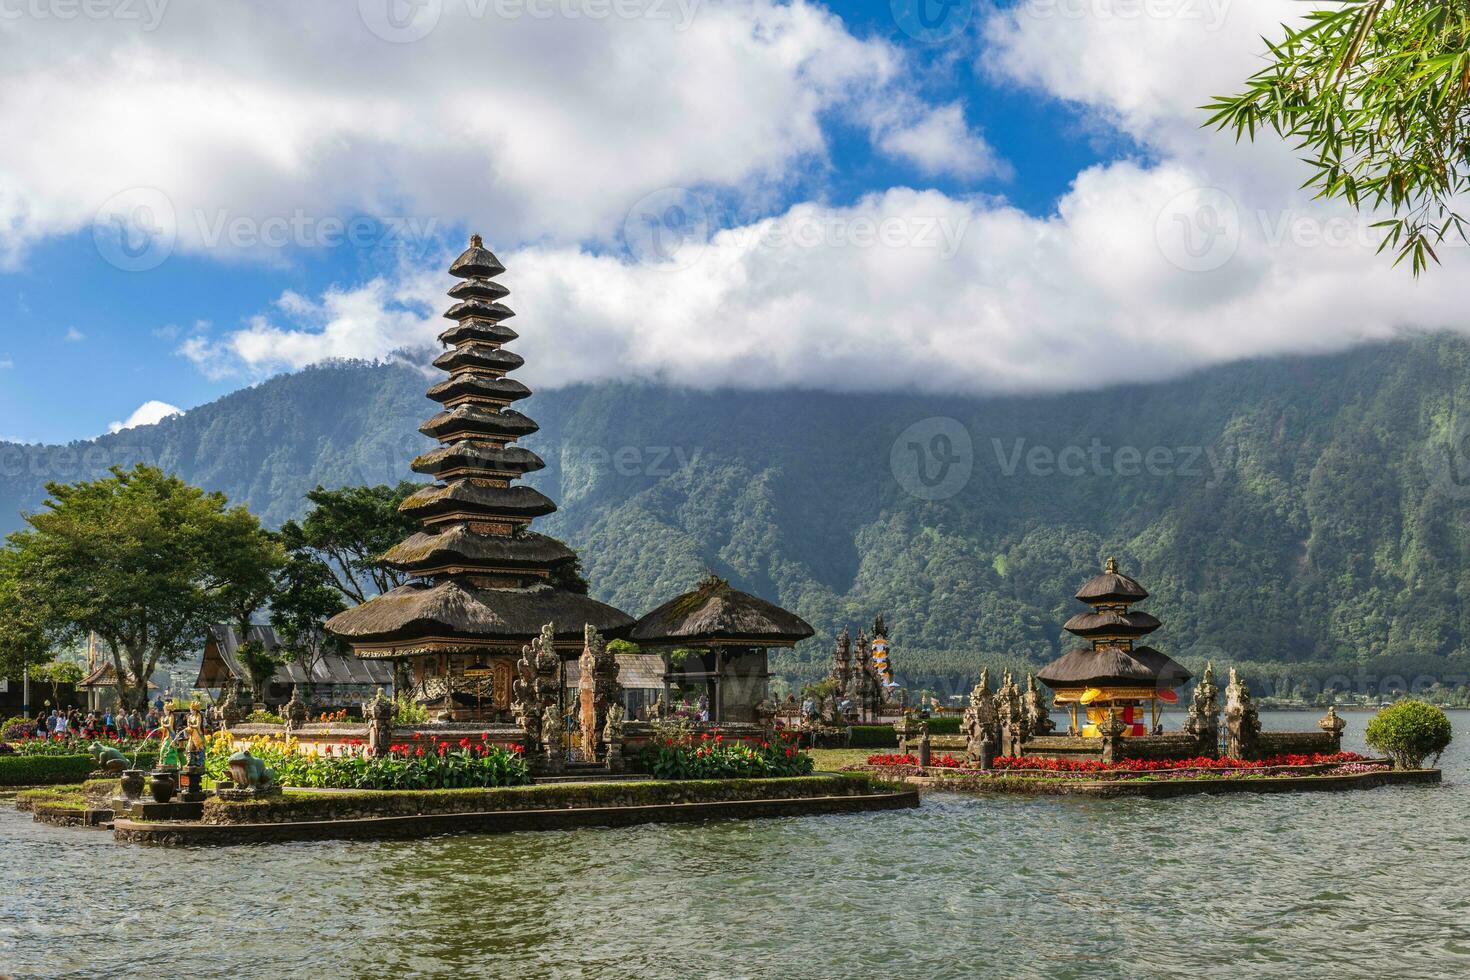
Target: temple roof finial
<point>476,241</point>
<point>1111,567</point>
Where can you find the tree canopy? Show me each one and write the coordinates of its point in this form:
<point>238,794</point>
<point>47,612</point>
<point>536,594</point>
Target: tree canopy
<point>346,533</point>
<point>1377,94</point>
<point>142,559</point>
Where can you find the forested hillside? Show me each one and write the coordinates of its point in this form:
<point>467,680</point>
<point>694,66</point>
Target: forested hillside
<point>1287,510</point>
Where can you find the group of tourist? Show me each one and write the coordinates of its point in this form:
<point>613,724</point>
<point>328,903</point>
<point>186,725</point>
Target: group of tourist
<point>107,723</point>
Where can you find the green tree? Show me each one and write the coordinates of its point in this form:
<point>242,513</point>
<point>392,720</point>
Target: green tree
<point>1409,732</point>
<point>260,663</point>
<point>306,597</point>
<point>1378,96</point>
<point>346,534</point>
<point>22,640</point>
<point>142,559</point>
<point>56,673</point>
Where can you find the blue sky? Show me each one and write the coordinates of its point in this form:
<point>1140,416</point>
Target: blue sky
<point>1056,143</point>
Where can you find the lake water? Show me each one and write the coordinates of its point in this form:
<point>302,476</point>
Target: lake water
<point>1316,885</point>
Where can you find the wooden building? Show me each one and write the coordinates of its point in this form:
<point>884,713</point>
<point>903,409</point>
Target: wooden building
<point>483,582</point>
<point>335,681</point>
<point>721,637</point>
<point>1113,672</point>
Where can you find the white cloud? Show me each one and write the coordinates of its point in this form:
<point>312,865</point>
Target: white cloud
<point>910,289</point>
<point>74,336</point>
<point>538,128</point>
<point>937,140</point>
<point>148,413</point>
<point>6,362</point>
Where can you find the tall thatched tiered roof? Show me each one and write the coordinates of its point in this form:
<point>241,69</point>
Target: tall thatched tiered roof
<point>482,579</point>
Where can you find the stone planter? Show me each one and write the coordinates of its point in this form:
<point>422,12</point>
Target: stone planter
<point>162,785</point>
<point>133,782</point>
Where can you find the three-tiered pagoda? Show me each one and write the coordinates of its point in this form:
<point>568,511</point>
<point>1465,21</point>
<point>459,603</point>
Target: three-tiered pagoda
<point>1114,673</point>
<point>483,583</point>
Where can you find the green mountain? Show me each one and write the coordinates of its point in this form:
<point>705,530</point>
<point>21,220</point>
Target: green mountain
<point>1309,511</point>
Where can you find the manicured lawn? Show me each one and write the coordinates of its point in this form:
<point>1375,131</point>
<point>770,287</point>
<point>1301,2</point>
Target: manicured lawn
<point>831,760</point>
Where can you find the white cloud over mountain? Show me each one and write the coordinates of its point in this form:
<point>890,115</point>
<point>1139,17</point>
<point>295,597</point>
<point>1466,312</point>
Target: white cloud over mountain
<point>543,133</point>
<point>148,413</point>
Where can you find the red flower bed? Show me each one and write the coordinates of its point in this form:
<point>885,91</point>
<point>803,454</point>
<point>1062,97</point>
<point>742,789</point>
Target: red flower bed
<point>935,762</point>
<point>1028,764</point>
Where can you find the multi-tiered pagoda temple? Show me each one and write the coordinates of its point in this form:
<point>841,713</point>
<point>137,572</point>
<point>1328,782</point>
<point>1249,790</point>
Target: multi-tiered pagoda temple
<point>483,584</point>
<point>1114,673</point>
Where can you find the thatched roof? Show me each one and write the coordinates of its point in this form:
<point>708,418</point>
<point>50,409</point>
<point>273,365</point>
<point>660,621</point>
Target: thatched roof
<point>476,262</point>
<point>477,330</point>
<point>498,390</point>
<point>1110,622</point>
<point>1112,666</point>
<point>477,497</point>
<point>221,665</point>
<point>458,545</point>
<point>478,289</point>
<point>478,309</point>
<point>1112,586</point>
<point>489,459</point>
<point>469,420</point>
<point>452,610</point>
<point>478,356</point>
<point>716,614</point>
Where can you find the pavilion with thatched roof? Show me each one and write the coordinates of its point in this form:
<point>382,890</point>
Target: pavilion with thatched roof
<point>1114,673</point>
<point>716,640</point>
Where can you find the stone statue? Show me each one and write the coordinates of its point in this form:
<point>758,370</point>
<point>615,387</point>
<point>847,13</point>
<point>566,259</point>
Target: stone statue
<point>612,737</point>
<point>295,710</point>
<point>598,689</point>
<point>1012,719</point>
<point>229,709</point>
<point>1111,730</point>
<point>982,722</point>
<point>551,733</point>
<point>379,716</point>
<point>1242,724</point>
<point>1037,717</point>
<point>109,759</point>
<point>1333,726</point>
<point>1204,713</point>
<point>535,687</point>
<point>250,774</point>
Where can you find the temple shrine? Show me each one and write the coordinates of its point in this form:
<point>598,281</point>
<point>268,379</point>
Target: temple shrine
<point>484,584</point>
<point>1114,675</point>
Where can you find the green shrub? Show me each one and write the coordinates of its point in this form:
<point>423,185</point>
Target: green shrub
<point>1409,732</point>
<point>945,725</point>
<point>47,770</point>
<point>872,737</point>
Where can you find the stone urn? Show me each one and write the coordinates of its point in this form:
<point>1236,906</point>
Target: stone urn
<point>132,783</point>
<point>162,785</point>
